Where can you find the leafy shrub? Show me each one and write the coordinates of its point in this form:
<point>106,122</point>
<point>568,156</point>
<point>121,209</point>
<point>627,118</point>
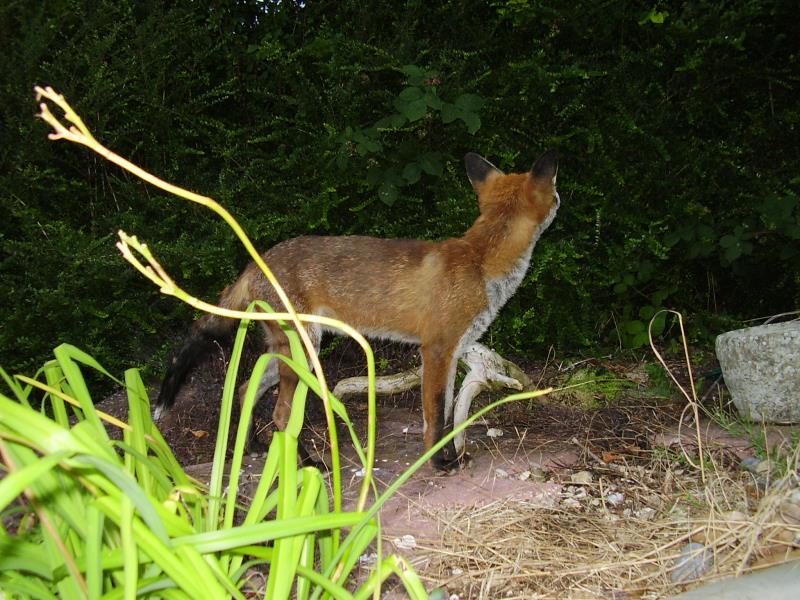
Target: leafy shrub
<point>676,124</point>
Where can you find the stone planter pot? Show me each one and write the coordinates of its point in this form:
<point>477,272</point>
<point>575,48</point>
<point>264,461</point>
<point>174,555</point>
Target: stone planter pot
<point>761,366</point>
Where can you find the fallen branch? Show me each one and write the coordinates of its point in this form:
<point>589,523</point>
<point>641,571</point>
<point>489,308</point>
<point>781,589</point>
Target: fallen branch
<point>486,370</point>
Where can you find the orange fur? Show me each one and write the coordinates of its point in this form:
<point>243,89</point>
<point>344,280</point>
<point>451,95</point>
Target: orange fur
<point>439,295</point>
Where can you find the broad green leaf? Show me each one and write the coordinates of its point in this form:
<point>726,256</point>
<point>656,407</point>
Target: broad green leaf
<point>431,163</point>
<point>469,102</point>
<point>414,110</point>
<point>410,94</point>
<point>472,121</point>
<point>387,193</point>
<point>647,312</point>
<point>449,112</point>
<point>412,172</point>
<point>634,327</point>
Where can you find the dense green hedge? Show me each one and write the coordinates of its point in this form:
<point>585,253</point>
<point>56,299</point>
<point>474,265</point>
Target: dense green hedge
<point>677,125</point>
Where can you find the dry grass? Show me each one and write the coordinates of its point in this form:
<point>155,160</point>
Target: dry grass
<point>510,549</point>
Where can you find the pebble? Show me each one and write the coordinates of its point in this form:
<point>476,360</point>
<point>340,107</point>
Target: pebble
<point>581,477</point>
<point>615,498</point>
<point>750,463</point>
<point>501,473</point>
<point>407,542</point>
<point>694,561</point>
<point>537,472</point>
<point>494,432</point>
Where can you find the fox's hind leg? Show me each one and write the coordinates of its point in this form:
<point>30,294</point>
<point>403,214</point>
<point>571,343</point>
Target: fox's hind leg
<point>279,372</point>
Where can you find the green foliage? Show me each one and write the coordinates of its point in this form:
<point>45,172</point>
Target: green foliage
<point>93,516</point>
<point>397,146</point>
<point>677,126</point>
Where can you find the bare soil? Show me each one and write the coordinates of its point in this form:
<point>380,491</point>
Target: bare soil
<point>560,455</point>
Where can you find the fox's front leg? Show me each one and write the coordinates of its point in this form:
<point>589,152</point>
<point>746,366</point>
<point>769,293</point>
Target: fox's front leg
<point>438,371</point>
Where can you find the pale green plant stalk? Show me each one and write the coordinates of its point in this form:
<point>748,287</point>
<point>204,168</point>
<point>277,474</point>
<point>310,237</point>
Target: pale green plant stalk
<point>691,399</point>
<point>78,133</point>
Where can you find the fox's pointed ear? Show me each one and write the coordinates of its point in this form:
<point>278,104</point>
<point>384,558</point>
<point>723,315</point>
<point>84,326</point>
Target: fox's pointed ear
<point>479,169</point>
<point>546,167</point>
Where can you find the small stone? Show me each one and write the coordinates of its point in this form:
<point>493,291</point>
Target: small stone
<point>537,473</point>
<point>763,467</point>
<point>524,476</point>
<point>581,477</point>
<point>501,473</point>
<point>645,514</point>
<point>570,503</point>
<point>407,542</point>
<point>494,432</point>
<point>456,571</point>
<point>693,562</point>
<point>749,463</point>
<point>615,498</point>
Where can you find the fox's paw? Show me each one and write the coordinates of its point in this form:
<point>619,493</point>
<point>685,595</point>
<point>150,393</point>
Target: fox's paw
<point>448,461</point>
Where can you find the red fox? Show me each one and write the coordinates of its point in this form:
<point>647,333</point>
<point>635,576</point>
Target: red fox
<point>441,295</point>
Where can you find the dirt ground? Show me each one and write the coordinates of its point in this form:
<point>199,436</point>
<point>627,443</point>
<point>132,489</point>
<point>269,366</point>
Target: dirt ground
<point>546,478</point>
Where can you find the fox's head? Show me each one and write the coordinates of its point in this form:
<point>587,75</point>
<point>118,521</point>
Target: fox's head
<point>532,193</point>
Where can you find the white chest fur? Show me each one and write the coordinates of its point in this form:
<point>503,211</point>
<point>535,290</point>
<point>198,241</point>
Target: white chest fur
<point>500,289</point>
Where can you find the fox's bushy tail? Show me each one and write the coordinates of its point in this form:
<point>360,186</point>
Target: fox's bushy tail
<point>206,333</point>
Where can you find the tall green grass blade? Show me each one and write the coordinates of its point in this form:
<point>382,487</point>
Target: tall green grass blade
<point>225,412</point>
<point>93,554</point>
<point>68,356</point>
<point>162,554</point>
<point>398,566</point>
<point>355,548</point>
<point>62,492</point>
<point>130,569</point>
<point>222,576</point>
<point>149,470</point>
<point>25,587</point>
<point>293,546</point>
<point>54,378</point>
<point>245,420</point>
<point>194,564</point>
<point>306,559</point>
<point>18,390</point>
<point>19,555</point>
<point>12,485</point>
<point>282,569</point>
<point>130,490</point>
<point>140,422</point>
<point>324,584</point>
<point>44,434</point>
<point>224,540</point>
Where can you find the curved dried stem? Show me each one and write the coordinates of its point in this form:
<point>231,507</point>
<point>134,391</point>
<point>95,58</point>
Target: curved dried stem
<point>78,133</point>
<point>691,398</point>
